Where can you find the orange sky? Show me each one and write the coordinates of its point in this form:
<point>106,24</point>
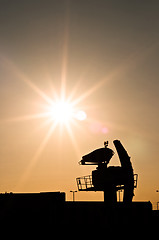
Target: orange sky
<point>103,56</point>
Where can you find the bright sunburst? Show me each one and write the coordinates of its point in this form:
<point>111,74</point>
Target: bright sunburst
<point>58,109</point>
<point>63,111</point>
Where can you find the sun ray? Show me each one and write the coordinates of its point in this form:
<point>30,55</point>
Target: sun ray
<point>65,56</point>
<point>98,85</point>
<point>51,86</point>
<point>25,79</point>
<point>27,117</point>
<point>126,64</point>
<point>36,155</point>
<point>73,140</point>
<point>35,88</point>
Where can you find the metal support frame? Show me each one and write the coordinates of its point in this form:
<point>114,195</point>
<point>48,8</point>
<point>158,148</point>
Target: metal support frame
<point>85,183</point>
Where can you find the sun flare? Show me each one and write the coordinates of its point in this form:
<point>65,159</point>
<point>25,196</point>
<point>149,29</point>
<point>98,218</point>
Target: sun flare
<point>64,112</point>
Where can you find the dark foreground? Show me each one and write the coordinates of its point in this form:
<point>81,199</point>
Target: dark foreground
<point>50,213</point>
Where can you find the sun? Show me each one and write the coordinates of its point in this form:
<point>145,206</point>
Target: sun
<point>62,111</point>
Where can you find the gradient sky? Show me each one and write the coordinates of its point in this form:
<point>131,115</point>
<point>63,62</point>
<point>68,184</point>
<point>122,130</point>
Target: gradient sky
<point>103,55</point>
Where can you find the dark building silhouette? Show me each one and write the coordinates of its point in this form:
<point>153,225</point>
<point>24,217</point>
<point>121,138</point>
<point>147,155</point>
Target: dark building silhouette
<point>49,214</point>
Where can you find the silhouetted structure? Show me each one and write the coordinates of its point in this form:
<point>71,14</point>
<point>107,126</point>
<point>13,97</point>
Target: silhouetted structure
<point>49,214</point>
<point>109,179</point>
<point>31,211</point>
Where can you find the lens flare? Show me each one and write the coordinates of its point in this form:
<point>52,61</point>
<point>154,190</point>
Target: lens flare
<point>81,115</point>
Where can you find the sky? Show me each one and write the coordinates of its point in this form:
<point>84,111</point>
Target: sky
<point>99,57</point>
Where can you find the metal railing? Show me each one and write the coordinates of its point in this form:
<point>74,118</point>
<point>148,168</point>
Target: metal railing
<point>85,183</point>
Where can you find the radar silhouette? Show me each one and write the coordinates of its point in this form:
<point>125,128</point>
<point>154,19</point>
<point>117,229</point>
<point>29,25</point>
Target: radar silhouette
<point>109,179</point>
